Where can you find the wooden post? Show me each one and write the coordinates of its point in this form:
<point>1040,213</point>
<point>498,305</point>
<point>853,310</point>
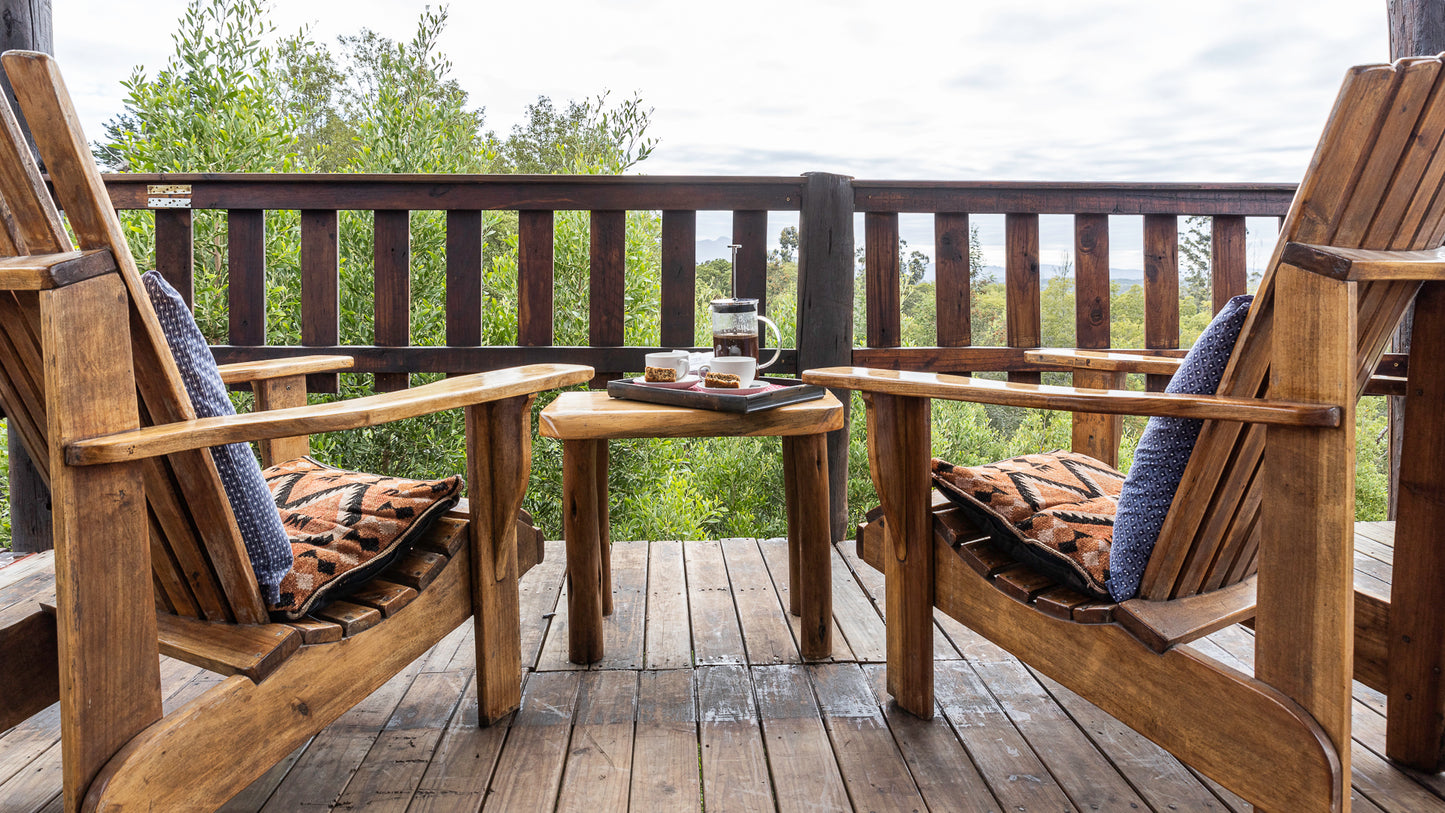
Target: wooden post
<point>27,26</point>
<point>1417,28</point>
<point>1415,726</point>
<point>1305,620</point>
<point>825,309</point>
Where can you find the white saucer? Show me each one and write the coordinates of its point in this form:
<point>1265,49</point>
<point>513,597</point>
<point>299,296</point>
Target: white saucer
<point>733,390</point>
<point>682,383</point>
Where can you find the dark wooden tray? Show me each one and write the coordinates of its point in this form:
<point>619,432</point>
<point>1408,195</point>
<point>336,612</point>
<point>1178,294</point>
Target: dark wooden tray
<point>793,392</point>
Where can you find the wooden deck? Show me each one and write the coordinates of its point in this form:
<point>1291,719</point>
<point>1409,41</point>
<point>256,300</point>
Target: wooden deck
<point>704,700</point>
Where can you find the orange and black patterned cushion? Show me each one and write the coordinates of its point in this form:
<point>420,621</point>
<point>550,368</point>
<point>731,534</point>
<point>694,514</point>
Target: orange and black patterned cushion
<point>1053,511</point>
<point>346,526</point>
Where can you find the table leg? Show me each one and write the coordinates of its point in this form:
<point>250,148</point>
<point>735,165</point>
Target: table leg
<point>806,457</point>
<point>604,528</point>
<point>790,502</point>
<point>580,526</point>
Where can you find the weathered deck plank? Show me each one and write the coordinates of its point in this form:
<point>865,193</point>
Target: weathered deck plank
<point>748,728</point>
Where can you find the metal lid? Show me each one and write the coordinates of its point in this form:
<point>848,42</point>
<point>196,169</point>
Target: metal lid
<point>734,305</point>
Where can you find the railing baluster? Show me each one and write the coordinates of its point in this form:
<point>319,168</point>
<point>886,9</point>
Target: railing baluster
<point>952,289</point>
<point>679,279</point>
<point>750,230</point>
<point>1228,264</point>
<point>880,263</point>
<point>320,289</point>
<point>607,300</point>
<point>464,278</point>
<point>1095,435</point>
<point>175,251</point>
<point>1023,300</point>
<point>1161,288</point>
<point>534,278</point>
<point>246,264</point>
<point>391,270</point>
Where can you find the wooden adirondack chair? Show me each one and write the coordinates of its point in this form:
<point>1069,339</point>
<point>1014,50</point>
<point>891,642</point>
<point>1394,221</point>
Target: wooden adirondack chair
<point>1262,525</point>
<point>148,559</point>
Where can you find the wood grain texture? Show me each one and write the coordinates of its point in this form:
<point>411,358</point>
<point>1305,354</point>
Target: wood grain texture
<point>320,287</point>
<point>353,414</point>
<point>952,288</point>
<point>534,278</point>
<point>581,529</point>
<point>175,251</point>
<point>1023,312</point>
<point>608,282</point>
<point>246,275</point>
<point>679,278</point>
<point>596,415</point>
<point>1161,287</point>
<point>1229,274</point>
<point>464,278</point>
<point>807,457</point>
<point>499,458</point>
<point>1304,619</point>
<point>109,679</point>
<point>898,463</point>
<point>248,371</point>
<point>281,393</point>
<point>37,272</point>
<point>1104,361</point>
<point>1416,634</point>
<point>880,261</point>
<point>1044,396</point>
<point>391,271</point>
<point>750,231</point>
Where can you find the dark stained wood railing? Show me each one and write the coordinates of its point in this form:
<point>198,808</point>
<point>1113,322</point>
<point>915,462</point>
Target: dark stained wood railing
<point>391,357</point>
<point>952,205</point>
<point>826,204</point>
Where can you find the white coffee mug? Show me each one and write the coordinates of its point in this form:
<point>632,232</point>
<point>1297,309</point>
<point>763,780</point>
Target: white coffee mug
<point>676,359</point>
<point>744,367</point>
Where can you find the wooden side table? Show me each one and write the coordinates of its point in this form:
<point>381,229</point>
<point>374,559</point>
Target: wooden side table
<point>585,421</point>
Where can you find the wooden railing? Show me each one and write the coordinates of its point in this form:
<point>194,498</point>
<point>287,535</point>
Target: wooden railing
<point>951,205</point>
<point>826,205</point>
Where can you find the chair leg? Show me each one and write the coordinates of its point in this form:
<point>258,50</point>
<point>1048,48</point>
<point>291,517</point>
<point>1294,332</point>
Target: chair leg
<point>898,454</point>
<point>499,458</point>
<point>110,687</point>
<point>1416,726</point>
<point>1305,619</point>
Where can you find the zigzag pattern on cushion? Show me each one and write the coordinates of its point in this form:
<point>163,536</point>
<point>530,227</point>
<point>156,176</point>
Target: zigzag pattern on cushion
<point>1054,511</point>
<point>344,525</point>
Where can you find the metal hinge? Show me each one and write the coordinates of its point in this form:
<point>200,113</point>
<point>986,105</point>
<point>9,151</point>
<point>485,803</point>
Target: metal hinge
<point>168,196</point>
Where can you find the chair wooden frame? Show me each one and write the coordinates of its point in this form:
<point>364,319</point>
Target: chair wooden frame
<point>148,559</point>
<point>1357,245</point>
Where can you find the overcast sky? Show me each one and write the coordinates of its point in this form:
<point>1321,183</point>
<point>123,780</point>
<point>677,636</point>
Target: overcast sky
<point>1060,90</point>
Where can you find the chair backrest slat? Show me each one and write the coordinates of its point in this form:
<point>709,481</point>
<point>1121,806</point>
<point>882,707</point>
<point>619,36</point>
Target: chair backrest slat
<point>1373,182</point>
<point>198,557</point>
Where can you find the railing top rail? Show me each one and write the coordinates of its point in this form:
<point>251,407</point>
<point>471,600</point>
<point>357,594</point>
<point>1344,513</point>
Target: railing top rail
<point>1052,197</point>
<point>462,192</point>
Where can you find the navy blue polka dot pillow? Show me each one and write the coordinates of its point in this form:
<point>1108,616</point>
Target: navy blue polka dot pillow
<point>260,523</point>
<point>1164,451</point>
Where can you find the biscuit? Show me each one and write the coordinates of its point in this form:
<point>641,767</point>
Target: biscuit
<point>659,374</point>
<point>722,381</point>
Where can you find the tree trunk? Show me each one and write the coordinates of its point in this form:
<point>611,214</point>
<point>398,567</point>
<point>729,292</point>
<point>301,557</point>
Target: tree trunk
<point>25,25</point>
<point>1417,28</point>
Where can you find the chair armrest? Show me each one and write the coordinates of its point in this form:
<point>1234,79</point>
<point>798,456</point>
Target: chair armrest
<point>1074,399</point>
<point>154,441</point>
<point>244,372</point>
<point>42,272</point>
<point>1105,361</point>
<point>1359,264</point>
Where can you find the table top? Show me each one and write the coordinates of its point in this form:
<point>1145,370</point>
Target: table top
<point>596,415</point>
